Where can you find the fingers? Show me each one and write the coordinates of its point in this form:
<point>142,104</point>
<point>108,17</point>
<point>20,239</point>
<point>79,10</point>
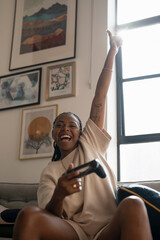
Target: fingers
<point>77,185</point>
<point>69,184</point>
<point>115,41</point>
<point>118,40</point>
<point>109,33</point>
<point>73,174</point>
<point>74,183</point>
<point>70,166</point>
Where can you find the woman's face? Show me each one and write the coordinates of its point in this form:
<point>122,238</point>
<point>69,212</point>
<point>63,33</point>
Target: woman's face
<point>66,133</point>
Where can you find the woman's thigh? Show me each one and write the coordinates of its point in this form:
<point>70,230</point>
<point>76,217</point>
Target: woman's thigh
<point>111,231</point>
<point>35,223</point>
<point>57,228</point>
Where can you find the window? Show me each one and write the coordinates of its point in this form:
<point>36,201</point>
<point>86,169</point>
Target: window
<point>138,90</point>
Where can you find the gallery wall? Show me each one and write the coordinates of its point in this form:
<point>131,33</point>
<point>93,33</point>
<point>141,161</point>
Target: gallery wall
<point>91,48</point>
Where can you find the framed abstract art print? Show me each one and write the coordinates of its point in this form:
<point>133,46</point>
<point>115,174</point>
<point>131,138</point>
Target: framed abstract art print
<point>20,89</point>
<point>43,32</point>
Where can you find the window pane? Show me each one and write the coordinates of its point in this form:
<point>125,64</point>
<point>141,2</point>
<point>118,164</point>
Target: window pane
<point>141,51</point>
<point>141,106</point>
<point>140,162</point>
<point>133,10</point>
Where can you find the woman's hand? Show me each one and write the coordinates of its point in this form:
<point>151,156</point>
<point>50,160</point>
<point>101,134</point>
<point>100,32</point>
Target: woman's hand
<point>115,41</point>
<point>68,184</point>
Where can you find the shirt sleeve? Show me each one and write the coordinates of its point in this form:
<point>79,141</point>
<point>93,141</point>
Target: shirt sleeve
<point>46,187</point>
<point>95,137</point>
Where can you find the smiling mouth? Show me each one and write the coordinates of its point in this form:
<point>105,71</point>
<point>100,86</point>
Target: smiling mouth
<point>65,138</point>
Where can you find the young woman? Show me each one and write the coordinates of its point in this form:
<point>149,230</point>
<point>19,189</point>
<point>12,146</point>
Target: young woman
<point>83,209</point>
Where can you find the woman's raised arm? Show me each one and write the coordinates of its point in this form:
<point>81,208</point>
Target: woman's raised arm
<point>99,100</point>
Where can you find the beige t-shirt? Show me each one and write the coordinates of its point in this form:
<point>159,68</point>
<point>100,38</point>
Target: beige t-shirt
<point>94,206</point>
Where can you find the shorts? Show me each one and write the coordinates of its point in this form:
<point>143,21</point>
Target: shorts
<point>81,233</point>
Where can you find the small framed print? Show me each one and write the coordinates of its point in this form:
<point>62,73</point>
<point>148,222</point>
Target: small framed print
<point>20,89</point>
<point>36,132</point>
<point>61,82</point>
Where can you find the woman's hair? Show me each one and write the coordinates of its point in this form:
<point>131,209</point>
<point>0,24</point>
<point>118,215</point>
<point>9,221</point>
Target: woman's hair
<point>57,153</point>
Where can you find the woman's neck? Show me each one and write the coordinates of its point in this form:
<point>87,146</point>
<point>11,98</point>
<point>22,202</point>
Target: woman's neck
<point>65,153</point>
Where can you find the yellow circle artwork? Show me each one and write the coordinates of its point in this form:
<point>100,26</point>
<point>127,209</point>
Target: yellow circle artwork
<point>39,129</point>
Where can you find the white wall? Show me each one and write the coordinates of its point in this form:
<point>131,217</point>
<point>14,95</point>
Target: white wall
<point>11,168</point>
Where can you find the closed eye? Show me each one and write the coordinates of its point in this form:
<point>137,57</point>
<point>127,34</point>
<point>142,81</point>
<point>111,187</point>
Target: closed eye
<point>72,126</point>
<point>59,125</point>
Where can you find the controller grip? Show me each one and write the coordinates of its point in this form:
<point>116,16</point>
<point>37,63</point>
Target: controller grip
<point>100,172</point>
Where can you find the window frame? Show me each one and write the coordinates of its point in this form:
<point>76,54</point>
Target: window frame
<point>121,138</point>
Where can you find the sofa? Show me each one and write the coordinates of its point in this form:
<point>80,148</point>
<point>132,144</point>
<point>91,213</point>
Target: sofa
<point>19,195</point>
<point>16,195</point>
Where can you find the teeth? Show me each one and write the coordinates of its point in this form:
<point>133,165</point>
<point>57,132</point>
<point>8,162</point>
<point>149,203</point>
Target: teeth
<point>65,136</point>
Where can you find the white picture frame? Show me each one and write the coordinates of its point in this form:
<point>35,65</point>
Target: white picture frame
<point>36,132</point>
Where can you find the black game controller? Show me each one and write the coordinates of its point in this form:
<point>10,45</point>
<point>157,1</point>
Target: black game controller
<point>90,167</point>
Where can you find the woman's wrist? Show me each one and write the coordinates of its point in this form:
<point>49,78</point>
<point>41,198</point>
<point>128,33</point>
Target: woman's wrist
<point>58,195</point>
<point>108,69</point>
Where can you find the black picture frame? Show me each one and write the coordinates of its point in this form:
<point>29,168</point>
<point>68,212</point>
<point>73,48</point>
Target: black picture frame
<point>38,41</point>
<point>20,89</point>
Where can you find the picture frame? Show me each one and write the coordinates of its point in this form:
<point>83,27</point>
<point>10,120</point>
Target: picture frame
<point>36,132</point>
<point>20,89</point>
<point>61,82</point>
<point>43,32</point>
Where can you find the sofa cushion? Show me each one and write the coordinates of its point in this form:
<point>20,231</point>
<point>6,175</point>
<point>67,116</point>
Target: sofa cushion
<point>151,199</point>
<point>6,230</point>
<point>13,196</point>
<point>9,215</point>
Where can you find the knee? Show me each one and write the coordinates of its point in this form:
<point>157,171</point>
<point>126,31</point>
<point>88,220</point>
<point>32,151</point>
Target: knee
<point>28,213</point>
<point>132,205</point>
<point>133,201</point>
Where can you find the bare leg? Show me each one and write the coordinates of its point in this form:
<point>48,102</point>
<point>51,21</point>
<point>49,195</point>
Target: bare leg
<point>130,222</point>
<point>36,224</point>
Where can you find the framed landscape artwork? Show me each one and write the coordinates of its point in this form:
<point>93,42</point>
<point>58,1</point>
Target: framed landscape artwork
<point>61,81</point>
<point>20,89</point>
<point>43,32</point>
<point>36,132</point>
